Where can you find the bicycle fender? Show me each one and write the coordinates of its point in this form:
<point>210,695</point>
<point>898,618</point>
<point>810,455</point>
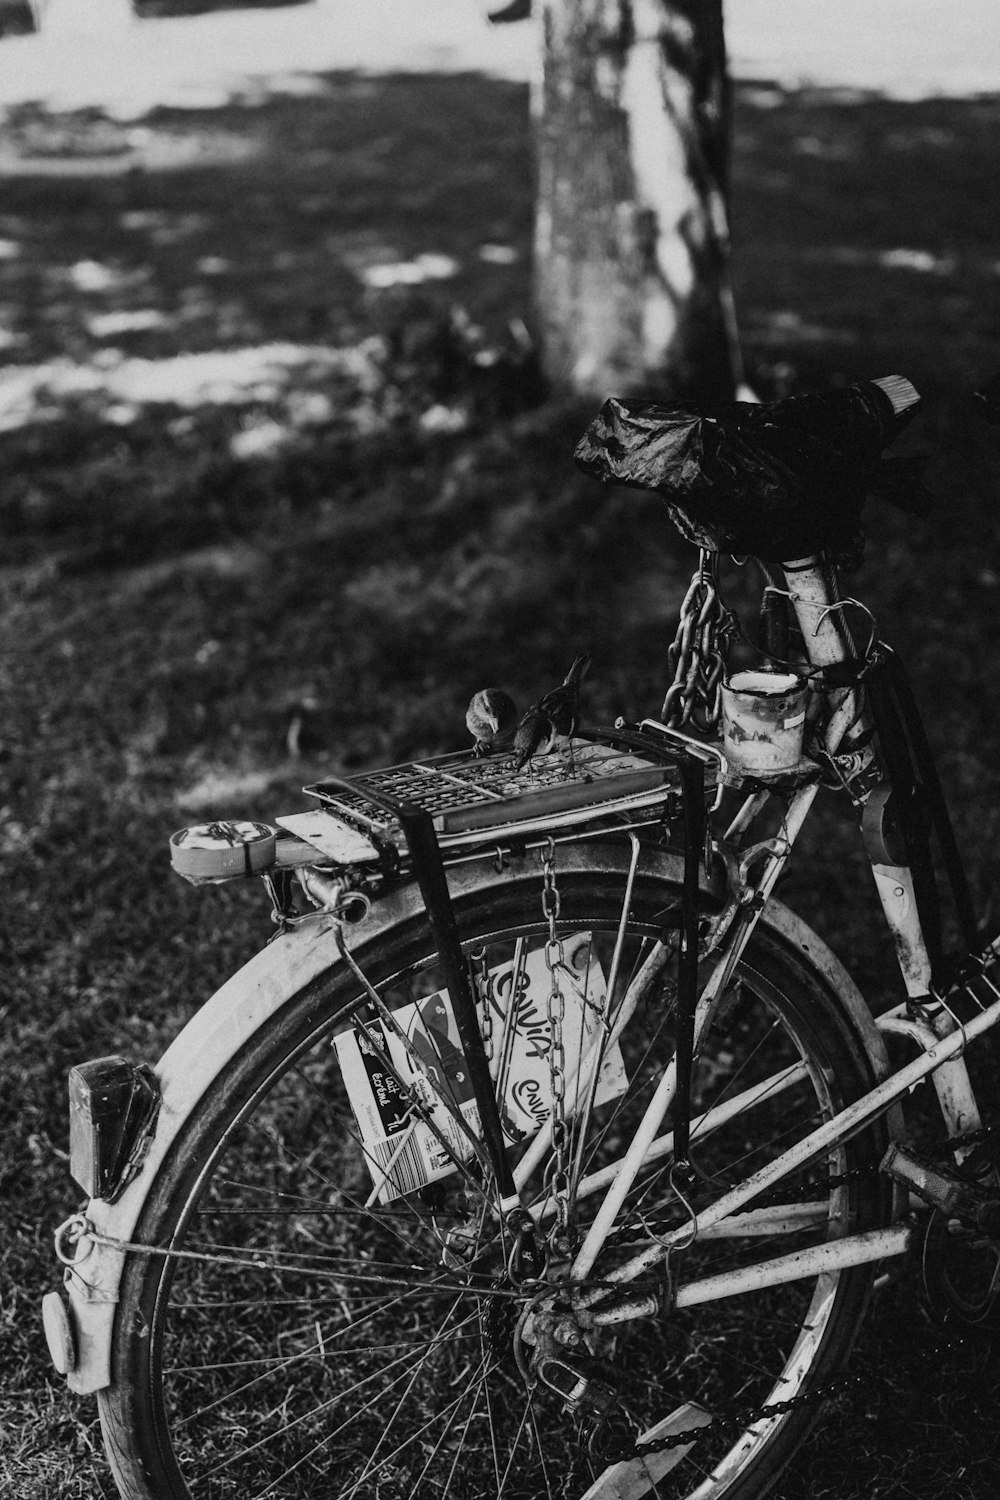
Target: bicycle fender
<point>781,919</point>
<point>219,1029</point>
<point>186,1070</point>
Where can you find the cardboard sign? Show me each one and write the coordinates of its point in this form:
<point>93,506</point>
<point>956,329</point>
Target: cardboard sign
<point>404,1153</point>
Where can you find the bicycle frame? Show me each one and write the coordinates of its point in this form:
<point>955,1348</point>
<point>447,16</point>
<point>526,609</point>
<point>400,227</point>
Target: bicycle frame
<point>94,1263</point>
<point>941,1037</point>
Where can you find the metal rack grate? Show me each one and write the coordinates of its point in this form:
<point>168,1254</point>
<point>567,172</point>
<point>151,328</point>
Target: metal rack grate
<point>464,793</point>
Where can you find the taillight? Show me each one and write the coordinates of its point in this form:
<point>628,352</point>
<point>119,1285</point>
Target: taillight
<point>112,1108</point>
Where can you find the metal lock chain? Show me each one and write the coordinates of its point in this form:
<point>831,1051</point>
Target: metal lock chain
<point>696,658</point>
<point>481,982</point>
<point>555,958</point>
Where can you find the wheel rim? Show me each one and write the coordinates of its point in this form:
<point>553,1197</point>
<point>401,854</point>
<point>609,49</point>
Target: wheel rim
<point>331,1357</point>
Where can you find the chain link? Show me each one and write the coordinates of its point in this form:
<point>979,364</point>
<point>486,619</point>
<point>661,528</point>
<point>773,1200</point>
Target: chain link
<point>696,658</point>
<point>481,980</point>
<point>738,1419</point>
<point>555,959</point>
<point>985,1135</point>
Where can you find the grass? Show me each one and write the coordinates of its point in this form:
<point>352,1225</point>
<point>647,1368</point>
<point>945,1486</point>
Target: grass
<point>177,577</point>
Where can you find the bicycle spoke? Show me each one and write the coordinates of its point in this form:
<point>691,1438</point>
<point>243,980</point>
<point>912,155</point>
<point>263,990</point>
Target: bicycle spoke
<point>540,1449</point>
<point>478,1386</point>
<point>368,1380</point>
<point>385,1347</point>
<point>372,1468</point>
<point>422,1344</point>
<point>514,1446</point>
<point>494,1451</point>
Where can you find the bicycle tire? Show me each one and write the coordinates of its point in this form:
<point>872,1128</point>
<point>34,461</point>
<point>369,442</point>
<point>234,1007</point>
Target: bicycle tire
<point>229,1379</point>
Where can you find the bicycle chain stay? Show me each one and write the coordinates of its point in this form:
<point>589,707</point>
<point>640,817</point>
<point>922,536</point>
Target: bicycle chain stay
<point>987,1135</point>
<point>653,1227</point>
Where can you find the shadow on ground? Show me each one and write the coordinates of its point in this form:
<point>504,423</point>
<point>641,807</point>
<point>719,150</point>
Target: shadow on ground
<point>274,438</point>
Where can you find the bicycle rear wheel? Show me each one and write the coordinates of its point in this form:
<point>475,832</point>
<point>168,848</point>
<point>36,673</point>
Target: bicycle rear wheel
<point>304,1338</point>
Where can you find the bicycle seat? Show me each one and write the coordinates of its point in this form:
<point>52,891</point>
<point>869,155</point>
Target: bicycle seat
<point>780,480</point>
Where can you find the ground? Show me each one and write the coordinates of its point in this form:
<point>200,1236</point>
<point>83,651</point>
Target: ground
<point>273,438</point>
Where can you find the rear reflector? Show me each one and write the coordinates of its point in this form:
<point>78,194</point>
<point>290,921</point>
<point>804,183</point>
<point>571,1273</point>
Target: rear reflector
<point>58,1333</point>
<point>112,1108</point>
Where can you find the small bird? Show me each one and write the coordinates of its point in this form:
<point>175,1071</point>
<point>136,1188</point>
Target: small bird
<point>517,10</point>
<point>551,722</point>
<point>491,719</point>
<point>301,735</point>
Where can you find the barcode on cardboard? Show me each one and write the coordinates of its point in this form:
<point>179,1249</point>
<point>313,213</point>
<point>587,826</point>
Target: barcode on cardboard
<point>408,1171</point>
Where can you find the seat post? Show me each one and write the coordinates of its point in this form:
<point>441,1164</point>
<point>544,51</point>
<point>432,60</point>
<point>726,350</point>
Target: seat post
<point>813,590</point>
<point>815,595</point>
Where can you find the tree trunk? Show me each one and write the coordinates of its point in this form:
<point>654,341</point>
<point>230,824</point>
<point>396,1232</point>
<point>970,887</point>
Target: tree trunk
<point>631,240</point>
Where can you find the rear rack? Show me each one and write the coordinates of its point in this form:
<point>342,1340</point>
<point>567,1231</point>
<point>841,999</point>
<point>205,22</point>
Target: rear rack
<point>473,800</point>
<point>424,808</point>
<point>427,812</point>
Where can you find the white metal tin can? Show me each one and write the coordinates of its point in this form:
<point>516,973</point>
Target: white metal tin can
<point>763,716</point>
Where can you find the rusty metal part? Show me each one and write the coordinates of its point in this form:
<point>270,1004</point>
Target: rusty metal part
<point>880,827</point>
<point>696,658</point>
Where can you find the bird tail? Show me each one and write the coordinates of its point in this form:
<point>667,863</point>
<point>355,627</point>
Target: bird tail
<point>578,670</point>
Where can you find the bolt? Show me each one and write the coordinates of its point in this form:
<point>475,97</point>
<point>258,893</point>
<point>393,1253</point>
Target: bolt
<point>567,1333</point>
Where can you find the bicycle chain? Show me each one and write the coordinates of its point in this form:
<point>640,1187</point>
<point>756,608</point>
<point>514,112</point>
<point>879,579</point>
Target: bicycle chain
<point>739,1418</point>
<point>983,1136</point>
<point>747,1416</point>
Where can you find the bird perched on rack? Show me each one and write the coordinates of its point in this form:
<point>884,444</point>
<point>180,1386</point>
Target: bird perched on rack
<point>551,723</point>
<point>517,10</point>
<point>491,718</point>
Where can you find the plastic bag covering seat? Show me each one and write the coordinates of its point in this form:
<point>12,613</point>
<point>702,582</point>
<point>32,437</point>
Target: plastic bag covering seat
<point>781,480</point>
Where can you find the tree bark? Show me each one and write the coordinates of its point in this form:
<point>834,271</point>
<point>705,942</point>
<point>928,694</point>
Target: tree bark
<point>631,240</point>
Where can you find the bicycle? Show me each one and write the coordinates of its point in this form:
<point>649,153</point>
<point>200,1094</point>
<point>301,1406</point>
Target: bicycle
<point>542,1151</point>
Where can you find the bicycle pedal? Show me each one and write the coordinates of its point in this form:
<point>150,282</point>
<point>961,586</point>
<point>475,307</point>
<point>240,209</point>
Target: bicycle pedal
<point>582,1390</point>
<point>944,1189</point>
